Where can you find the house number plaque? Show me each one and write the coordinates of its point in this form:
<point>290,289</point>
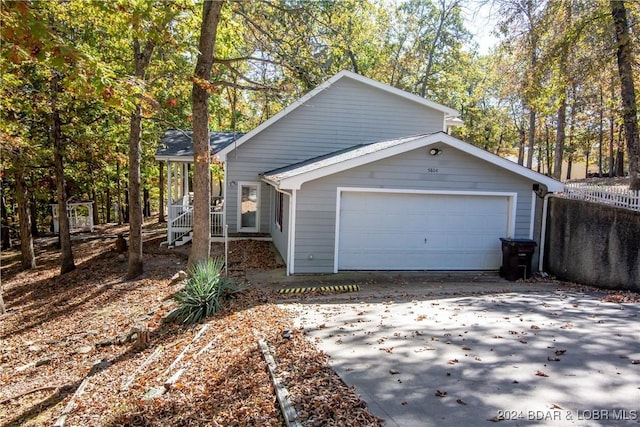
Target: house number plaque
<point>432,170</point>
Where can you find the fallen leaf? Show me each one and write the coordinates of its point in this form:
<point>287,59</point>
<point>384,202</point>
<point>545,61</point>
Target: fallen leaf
<point>460,401</point>
<point>495,419</point>
<point>535,327</point>
<point>635,362</point>
<point>560,352</point>
<point>466,347</point>
<point>440,393</point>
<point>541,374</point>
<point>553,359</point>
<point>393,372</point>
<point>555,406</point>
<point>453,361</point>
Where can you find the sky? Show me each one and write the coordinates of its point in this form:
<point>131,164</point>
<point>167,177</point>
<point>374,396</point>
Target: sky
<point>480,19</point>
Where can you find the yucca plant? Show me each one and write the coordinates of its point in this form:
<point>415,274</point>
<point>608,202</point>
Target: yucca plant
<point>204,292</point>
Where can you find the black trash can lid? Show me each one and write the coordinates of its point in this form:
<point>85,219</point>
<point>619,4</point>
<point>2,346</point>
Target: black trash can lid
<point>514,242</point>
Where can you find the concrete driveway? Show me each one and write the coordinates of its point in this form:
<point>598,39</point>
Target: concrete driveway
<point>474,353</point>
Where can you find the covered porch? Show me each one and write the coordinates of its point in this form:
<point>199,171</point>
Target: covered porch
<point>176,152</point>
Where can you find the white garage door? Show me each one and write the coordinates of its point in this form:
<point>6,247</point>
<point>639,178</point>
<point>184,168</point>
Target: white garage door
<point>399,231</point>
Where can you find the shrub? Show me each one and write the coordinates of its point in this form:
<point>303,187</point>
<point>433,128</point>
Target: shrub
<point>204,292</point>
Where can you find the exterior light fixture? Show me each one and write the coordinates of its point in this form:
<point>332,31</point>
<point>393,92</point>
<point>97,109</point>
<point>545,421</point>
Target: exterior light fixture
<point>435,151</point>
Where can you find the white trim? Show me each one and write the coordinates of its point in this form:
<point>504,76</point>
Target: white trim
<point>242,229</point>
<point>336,234</point>
<point>292,233</point>
<point>169,219</point>
<point>224,195</point>
<point>289,231</point>
<point>448,112</point>
<point>176,159</point>
<point>512,207</point>
<point>295,182</point>
<point>533,214</point>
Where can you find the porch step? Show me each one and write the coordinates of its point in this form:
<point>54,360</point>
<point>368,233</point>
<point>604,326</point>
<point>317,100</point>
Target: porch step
<point>184,239</point>
<point>181,229</point>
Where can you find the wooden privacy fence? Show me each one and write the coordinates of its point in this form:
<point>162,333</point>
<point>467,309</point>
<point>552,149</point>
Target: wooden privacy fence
<point>612,195</point>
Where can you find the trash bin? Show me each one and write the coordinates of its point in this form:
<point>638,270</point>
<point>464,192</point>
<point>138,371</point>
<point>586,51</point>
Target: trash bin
<point>516,258</point>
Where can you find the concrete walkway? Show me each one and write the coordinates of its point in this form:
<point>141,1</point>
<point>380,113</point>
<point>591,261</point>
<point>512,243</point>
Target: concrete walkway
<point>422,351</point>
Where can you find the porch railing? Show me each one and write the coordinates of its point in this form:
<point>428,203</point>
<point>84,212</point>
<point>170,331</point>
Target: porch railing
<point>181,221</point>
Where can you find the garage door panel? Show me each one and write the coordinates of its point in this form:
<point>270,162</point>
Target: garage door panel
<point>398,231</point>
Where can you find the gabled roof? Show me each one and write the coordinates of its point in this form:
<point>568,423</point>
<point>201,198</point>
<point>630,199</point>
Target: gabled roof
<point>177,144</point>
<point>344,74</point>
<point>293,176</point>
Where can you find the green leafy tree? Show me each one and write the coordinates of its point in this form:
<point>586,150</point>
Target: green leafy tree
<point>627,89</point>
<point>201,248</point>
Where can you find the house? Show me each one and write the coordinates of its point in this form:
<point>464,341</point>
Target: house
<point>358,175</point>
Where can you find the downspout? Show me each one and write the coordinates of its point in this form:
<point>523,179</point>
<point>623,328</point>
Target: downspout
<point>543,231</point>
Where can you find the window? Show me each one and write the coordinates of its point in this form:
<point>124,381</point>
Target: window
<point>278,207</point>
<point>248,206</point>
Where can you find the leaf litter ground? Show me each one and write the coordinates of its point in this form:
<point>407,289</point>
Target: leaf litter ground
<point>60,330</point>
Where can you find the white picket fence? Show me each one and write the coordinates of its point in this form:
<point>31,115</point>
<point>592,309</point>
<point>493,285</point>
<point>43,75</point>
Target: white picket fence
<point>614,195</point>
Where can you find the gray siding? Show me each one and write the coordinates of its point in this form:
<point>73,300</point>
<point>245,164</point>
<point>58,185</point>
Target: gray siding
<point>457,171</point>
<point>343,115</point>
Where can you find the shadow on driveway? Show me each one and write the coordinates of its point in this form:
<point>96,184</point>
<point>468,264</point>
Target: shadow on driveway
<point>425,352</point>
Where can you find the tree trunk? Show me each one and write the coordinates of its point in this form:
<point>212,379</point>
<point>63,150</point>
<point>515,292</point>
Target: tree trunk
<point>4,225</point>
<point>532,138</point>
<point>146,205</point>
<point>627,90</point>
<point>442,19</point>
<point>119,189</point>
<point>142,58</point>
<point>3,310</point>
<point>611,143</point>
<point>55,133</point>
<point>548,150</point>
<point>33,213</point>
<point>560,135</point>
<point>135,209</point>
<point>94,207</point>
<point>523,141</point>
<point>161,218</point>
<point>27,256</point>
<point>620,162</point>
<point>201,247</point>
<point>108,207</point>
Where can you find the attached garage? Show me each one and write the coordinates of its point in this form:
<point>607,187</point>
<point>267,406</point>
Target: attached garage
<point>425,202</point>
<point>419,230</point>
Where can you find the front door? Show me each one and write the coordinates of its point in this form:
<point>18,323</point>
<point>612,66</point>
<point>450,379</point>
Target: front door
<point>248,206</point>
